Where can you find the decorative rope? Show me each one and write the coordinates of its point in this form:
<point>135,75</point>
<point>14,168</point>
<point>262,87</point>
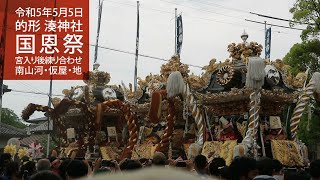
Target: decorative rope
<point>251,134</point>
<point>196,113</point>
<point>131,122</point>
<point>301,105</point>
<point>163,146</point>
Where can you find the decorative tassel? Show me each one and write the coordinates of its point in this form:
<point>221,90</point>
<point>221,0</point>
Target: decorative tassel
<point>124,89</point>
<point>185,117</point>
<point>99,116</point>
<point>170,151</point>
<point>254,80</point>
<point>175,84</point>
<point>256,73</point>
<point>140,137</point>
<point>208,129</point>
<point>309,117</point>
<point>316,79</point>
<point>155,107</point>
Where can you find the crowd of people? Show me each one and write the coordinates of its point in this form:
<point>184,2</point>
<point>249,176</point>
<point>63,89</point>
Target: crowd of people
<point>159,167</point>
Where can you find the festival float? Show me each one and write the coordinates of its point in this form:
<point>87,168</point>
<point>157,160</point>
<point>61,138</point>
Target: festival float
<point>237,107</point>
<point>251,99</point>
<point>90,116</point>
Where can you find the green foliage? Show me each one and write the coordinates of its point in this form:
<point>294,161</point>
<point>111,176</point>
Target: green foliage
<point>307,55</point>
<point>310,134</point>
<point>307,11</point>
<point>304,55</point>
<point>51,146</point>
<point>11,118</point>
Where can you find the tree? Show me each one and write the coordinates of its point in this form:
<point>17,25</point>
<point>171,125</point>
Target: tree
<point>307,12</point>
<point>51,146</point>
<point>11,118</point>
<point>309,130</point>
<point>303,56</point>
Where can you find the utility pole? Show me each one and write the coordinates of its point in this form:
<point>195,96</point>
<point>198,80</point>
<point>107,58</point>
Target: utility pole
<point>96,64</point>
<point>265,39</point>
<point>49,105</point>
<point>137,50</point>
<point>50,101</point>
<point>175,31</point>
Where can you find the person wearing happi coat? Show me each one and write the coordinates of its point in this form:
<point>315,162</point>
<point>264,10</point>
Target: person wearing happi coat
<point>275,132</point>
<point>228,132</point>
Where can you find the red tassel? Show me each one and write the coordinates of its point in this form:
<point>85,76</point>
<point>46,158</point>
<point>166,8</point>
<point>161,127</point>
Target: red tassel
<point>205,134</point>
<point>155,107</point>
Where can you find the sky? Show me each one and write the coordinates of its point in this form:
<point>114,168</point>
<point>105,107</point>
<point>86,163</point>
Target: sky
<point>208,25</point>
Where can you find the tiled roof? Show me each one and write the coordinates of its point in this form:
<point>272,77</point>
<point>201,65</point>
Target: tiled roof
<point>31,126</point>
<point>42,127</point>
<point>28,140</point>
<point>10,131</point>
<point>36,120</point>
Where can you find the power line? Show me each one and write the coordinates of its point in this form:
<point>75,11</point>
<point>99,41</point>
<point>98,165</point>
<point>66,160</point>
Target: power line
<point>221,6</point>
<point>274,25</point>
<point>249,12</point>
<point>280,32</point>
<point>201,18</point>
<point>33,92</point>
<point>167,12</point>
<point>197,9</point>
<point>142,55</point>
<point>161,11</point>
<point>214,20</point>
<point>243,12</point>
<point>281,19</point>
<point>30,85</point>
<point>126,52</point>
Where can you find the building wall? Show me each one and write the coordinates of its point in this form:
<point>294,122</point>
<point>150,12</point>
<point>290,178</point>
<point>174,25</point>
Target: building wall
<point>3,141</point>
